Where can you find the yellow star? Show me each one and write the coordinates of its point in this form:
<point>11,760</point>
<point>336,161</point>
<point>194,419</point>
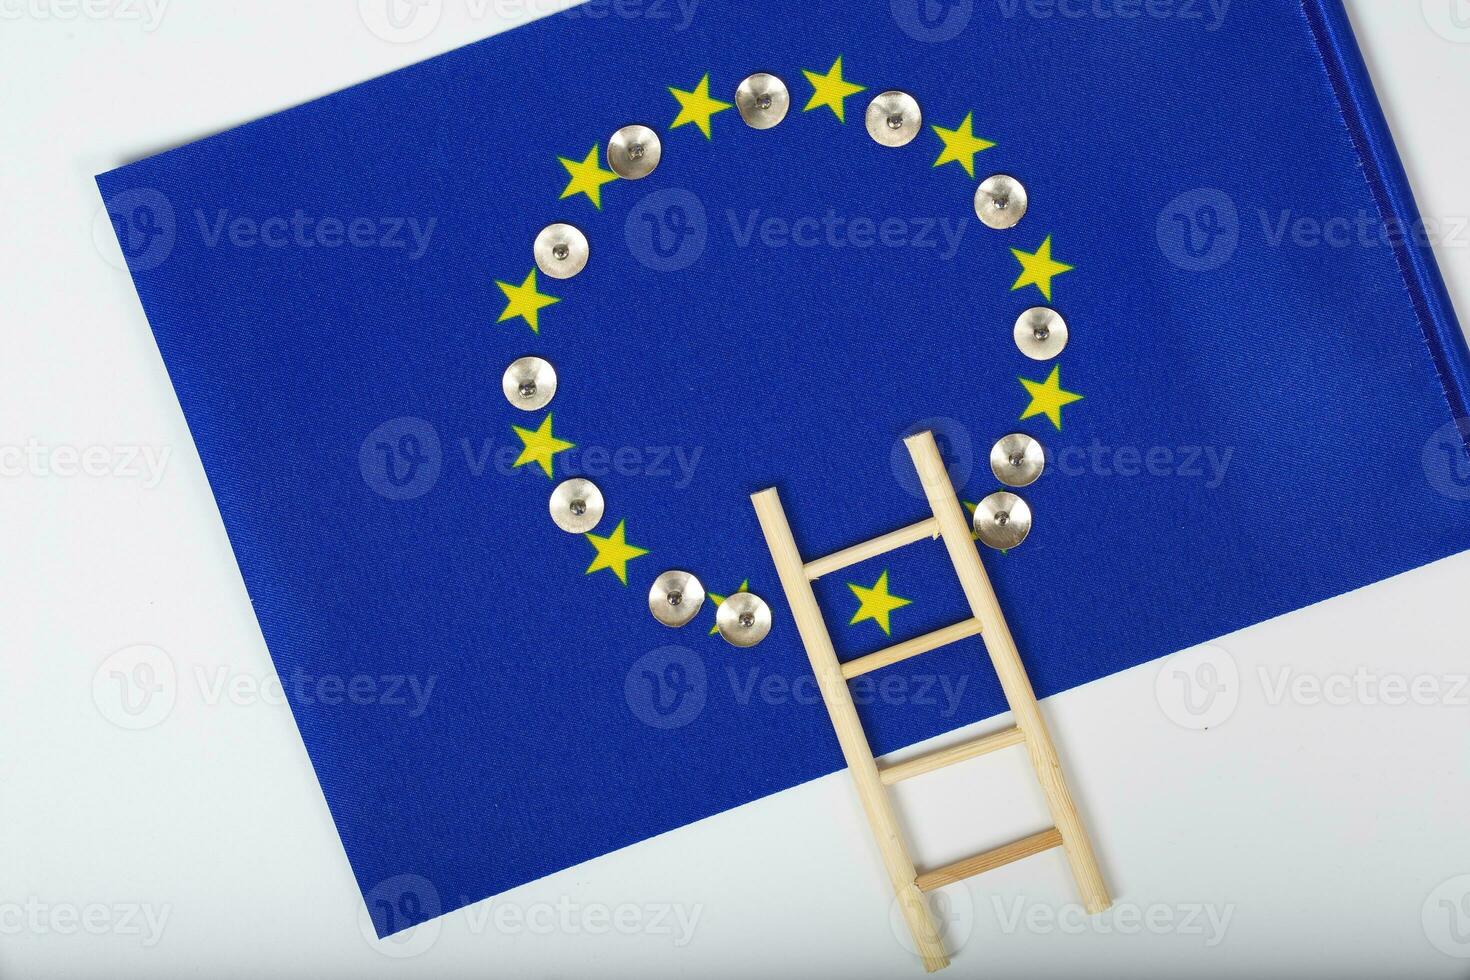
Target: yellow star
<point>717,599</point>
<point>697,107</point>
<point>614,552</point>
<point>876,603</point>
<point>1037,269</point>
<point>830,90</point>
<point>540,447</point>
<point>1047,397</point>
<point>525,301</point>
<point>587,177</point>
<point>961,144</point>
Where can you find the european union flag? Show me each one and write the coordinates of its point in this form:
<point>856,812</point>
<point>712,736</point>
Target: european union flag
<point>1170,251</point>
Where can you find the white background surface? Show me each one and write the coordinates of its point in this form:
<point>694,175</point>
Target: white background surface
<point>1291,838</point>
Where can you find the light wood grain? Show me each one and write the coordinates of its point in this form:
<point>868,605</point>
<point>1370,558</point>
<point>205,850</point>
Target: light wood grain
<point>859,553</point>
<point>990,860</point>
<point>909,649</point>
<point>958,539</point>
<point>850,735</point>
<point>940,758</point>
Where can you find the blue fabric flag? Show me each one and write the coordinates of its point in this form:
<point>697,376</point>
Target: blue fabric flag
<point>1256,408</point>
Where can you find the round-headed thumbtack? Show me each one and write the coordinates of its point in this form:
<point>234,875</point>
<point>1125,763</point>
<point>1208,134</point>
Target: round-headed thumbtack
<point>1000,202</point>
<point>576,506</point>
<point>529,383</point>
<point>894,118</point>
<point>743,619</point>
<point>675,598</point>
<point>561,251</point>
<point>762,100</point>
<point>1017,460</point>
<point>633,152</point>
<point>1041,333</point>
<point>1002,520</point>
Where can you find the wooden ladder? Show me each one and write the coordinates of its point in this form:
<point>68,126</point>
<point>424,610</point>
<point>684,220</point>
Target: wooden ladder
<point>988,621</point>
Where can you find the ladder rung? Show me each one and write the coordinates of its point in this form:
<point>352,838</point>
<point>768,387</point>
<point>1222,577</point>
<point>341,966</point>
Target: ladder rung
<point>911,648</point>
<point>990,860</point>
<point>858,553</point>
<point>940,758</point>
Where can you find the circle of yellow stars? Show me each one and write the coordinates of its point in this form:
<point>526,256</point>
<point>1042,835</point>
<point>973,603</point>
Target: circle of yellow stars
<point>586,177</point>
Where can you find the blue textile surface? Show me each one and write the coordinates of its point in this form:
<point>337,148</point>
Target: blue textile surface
<point>1269,368</point>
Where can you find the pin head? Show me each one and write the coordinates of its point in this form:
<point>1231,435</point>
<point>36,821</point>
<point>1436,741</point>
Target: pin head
<point>1041,333</point>
<point>561,251</point>
<point>894,118</point>
<point>762,100</point>
<point>1000,202</point>
<point>529,383</point>
<point>577,506</point>
<point>1017,460</point>
<point>634,152</point>
<point>675,598</point>
<point>1002,520</point>
<point>743,619</point>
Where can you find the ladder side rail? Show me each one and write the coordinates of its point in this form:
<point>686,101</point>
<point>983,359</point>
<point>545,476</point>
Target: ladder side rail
<point>850,735</point>
<point>959,540</point>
